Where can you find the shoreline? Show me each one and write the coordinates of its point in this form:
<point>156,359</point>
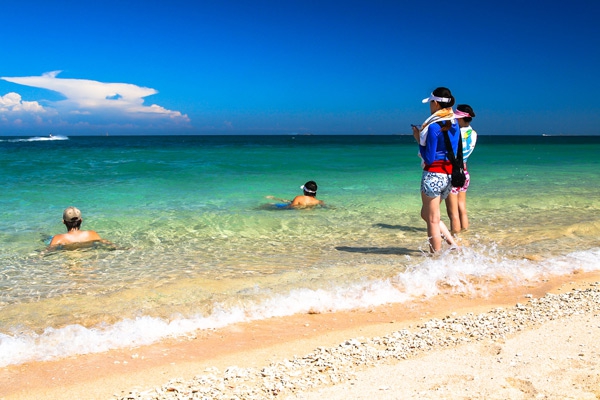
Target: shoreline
<point>251,345</point>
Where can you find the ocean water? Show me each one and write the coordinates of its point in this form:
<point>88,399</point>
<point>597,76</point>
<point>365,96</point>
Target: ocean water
<point>200,246</point>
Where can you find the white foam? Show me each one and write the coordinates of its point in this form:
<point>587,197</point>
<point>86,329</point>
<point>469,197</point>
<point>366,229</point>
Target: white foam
<point>456,270</point>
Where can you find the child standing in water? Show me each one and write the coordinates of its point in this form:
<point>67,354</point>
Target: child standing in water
<point>456,202</point>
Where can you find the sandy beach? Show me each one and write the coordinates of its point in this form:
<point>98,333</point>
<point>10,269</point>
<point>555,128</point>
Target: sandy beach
<point>544,357</point>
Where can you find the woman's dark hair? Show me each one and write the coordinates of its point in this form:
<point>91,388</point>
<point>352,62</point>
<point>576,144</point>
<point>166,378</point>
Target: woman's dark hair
<point>445,92</point>
<point>467,109</point>
<point>73,224</point>
<point>312,186</point>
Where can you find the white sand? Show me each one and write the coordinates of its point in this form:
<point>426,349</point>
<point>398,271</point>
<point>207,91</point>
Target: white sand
<point>559,360</point>
<point>556,360</point>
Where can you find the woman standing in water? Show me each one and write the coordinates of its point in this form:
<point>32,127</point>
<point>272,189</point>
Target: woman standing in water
<point>456,202</point>
<point>437,168</point>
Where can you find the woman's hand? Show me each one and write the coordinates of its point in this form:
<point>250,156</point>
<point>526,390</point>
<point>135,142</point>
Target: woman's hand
<point>416,134</point>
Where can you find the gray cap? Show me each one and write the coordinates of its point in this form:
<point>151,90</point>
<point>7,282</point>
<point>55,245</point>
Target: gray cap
<point>71,214</point>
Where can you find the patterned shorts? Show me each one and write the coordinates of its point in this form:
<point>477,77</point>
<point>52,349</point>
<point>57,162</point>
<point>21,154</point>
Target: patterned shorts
<point>465,186</point>
<point>434,184</point>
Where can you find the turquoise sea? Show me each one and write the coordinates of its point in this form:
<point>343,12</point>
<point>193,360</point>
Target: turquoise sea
<point>200,246</point>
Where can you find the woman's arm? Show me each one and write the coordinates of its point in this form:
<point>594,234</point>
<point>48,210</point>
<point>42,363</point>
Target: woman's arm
<point>431,145</point>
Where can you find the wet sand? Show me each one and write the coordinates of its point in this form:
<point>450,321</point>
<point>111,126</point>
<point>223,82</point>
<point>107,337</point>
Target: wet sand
<point>257,344</point>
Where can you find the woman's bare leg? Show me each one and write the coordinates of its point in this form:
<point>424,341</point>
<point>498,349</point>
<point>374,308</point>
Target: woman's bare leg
<point>430,212</point>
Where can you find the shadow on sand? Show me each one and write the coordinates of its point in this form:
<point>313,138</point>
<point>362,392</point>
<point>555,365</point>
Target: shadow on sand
<point>379,250</point>
<point>386,250</point>
<point>400,228</point>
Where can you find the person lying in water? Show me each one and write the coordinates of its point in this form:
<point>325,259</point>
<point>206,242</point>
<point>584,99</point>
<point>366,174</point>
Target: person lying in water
<point>307,199</point>
<point>75,236</point>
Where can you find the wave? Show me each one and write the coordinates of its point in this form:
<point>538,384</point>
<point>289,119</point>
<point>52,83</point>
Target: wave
<point>467,272</point>
<point>38,139</point>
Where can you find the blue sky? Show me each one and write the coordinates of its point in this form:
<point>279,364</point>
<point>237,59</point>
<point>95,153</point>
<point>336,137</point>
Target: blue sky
<point>282,67</point>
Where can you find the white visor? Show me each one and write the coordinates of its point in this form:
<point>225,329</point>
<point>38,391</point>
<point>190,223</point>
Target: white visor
<point>438,99</point>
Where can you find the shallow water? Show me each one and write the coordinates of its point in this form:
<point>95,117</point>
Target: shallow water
<point>199,245</point>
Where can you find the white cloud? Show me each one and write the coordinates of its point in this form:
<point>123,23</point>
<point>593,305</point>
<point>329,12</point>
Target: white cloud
<point>87,98</point>
<point>12,102</point>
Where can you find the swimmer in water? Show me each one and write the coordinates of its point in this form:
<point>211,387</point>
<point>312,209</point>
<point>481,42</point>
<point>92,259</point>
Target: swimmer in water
<point>72,220</point>
<point>306,200</point>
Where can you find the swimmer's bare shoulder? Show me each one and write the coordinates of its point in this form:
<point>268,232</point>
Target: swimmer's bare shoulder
<point>80,240</point>
<point>75,237</point>
<point>306,201</point>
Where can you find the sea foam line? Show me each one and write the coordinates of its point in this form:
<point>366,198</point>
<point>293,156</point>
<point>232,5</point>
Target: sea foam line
<point>454,270</point>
